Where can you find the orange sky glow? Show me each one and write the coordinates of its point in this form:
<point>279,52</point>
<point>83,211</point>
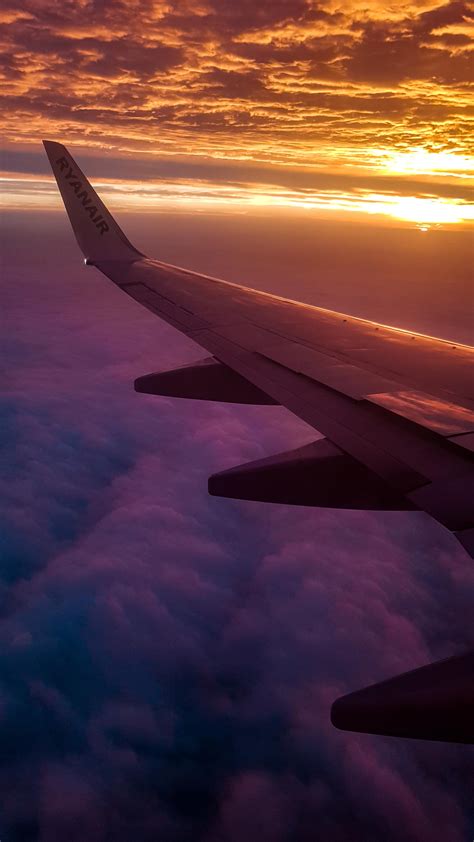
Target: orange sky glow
<point>340,107</point>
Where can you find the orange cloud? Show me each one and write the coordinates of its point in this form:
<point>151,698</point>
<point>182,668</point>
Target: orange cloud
<point>336,87</point>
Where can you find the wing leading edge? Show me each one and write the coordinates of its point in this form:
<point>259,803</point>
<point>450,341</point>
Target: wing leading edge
<point>396,407</point>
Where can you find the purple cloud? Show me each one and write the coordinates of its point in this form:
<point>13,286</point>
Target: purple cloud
<point>168,660</point>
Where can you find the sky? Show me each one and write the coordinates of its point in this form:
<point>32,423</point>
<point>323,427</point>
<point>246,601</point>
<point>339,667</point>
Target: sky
<point>168,659</point>
<point>349,109</point>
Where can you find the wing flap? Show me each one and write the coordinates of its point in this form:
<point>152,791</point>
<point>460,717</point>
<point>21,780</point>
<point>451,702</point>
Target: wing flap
<point>466,441</point>
<point>435,414</point>
<point>351,380</point>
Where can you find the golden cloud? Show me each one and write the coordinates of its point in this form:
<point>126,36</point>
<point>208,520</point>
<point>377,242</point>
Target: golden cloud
<point>351,86</point>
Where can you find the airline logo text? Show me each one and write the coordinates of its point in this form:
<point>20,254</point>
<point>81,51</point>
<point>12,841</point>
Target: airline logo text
<point>87,203</point>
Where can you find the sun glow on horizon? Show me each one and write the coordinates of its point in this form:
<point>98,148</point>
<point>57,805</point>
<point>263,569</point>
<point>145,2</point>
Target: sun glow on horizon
<point>421,161</point>
<point>372,102</point>
<point>199,195</point>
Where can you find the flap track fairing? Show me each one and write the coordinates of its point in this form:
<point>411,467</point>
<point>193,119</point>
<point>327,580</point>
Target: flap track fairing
<point>208,380</point>
<point>318,474</point>
<point>434,702</point>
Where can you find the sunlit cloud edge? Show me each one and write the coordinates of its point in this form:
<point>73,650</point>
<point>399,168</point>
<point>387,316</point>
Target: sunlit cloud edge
<point>20,192</point>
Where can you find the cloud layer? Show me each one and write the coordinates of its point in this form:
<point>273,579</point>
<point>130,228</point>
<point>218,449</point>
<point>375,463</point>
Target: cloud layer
<point>352,88</point>
<point>168,660</point>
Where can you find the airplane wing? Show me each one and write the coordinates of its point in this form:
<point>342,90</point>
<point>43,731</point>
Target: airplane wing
<point>395,407</point>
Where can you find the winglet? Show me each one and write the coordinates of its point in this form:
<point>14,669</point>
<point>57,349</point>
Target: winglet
<point>96,231</point>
